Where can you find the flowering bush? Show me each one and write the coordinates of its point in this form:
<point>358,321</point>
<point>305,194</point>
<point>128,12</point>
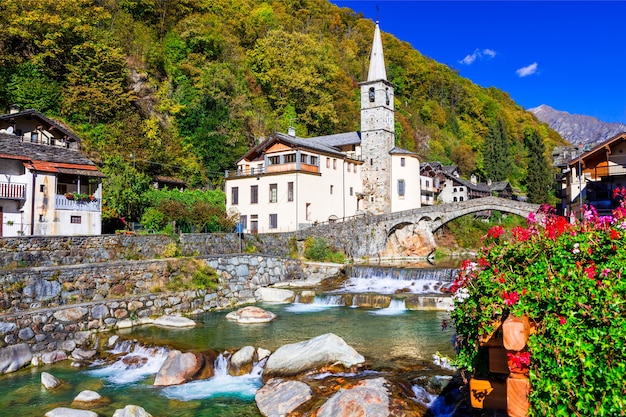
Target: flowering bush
<point>567,278</point>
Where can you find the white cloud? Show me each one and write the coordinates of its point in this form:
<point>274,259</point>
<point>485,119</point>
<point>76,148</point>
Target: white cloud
<point>528,70</point>
<point>478,54</point>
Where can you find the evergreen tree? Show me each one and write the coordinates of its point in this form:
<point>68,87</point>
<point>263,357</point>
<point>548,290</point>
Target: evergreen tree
<point>539,176</point>
<point>496,160</point>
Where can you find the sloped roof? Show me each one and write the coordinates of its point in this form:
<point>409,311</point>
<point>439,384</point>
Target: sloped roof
<point>45,157</point>
<point>400,151</point>
<point>320,144</point>
<point>34,114</point>
<point>621,137</point>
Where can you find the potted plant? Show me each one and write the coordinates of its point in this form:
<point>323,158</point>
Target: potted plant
<point>69,196</point>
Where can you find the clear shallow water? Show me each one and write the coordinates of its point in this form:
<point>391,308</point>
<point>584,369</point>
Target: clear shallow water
<point>400,338</point>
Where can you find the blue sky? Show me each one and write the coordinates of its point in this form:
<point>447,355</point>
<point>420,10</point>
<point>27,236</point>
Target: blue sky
<point>570,55</point>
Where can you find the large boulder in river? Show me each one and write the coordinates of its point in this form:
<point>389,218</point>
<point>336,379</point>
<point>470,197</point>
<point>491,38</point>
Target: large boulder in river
<point>325,350</point>
<point>179,368</point>
<point>14,357</point>
<point>279,397</point>
<point>174,321</point>
<point>368,398</point>
<point>274,295</point>
<point>242,361</point>
<point>50,381</point>
<point>69,412</point>
<point>251,314</point>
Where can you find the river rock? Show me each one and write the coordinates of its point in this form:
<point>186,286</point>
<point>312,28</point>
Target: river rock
<point>327,349</point>
<point>274,295</point>
<point>82,354</point>
<point>251,314</point>
<point>241,362</point>
<point>14,357</point>
<point>50,381</point>
<point>70,412</point>
<point>368,398</point>
<point>87,396</point>
<point>174,321</point>
<point>178,368</point>
<point>131,411</point>
<point>54,356</point>
<point>279,397</point>
<point>262,353</point>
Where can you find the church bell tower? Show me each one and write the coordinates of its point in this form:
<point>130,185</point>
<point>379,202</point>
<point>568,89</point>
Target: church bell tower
<point>377,132</point>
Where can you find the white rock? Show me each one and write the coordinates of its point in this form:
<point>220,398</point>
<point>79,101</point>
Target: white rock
<point>174,321</point>
<point>49,381</point>
<point>69,412</point>
<point>251,314</point>
<point>262,353</point>
<point>274,295</point>
<point>131,411</point>
<point>88,396</point>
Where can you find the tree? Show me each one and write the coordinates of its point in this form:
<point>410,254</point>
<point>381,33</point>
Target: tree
<point>539,176</point>
<point>496,160</point>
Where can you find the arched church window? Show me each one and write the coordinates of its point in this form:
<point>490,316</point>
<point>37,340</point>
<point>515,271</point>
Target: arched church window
<point>372,94</point>
<point>387,95</point>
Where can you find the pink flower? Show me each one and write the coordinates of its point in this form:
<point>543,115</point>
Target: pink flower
<point>531,218</point>
<point>562,320</point>
<point>605,272</point>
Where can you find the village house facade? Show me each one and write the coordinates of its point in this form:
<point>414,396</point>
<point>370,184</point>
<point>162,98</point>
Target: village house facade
<point>47,187</point>
<point>592,175</point>
<point>288,183</point>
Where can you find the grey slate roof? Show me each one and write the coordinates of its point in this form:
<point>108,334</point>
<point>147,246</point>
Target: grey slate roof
<point>32,113</point>
<point>400,151</point>
<point>13,146</point>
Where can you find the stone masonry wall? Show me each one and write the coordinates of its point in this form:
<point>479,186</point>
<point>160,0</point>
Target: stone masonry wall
<point>57,308</point>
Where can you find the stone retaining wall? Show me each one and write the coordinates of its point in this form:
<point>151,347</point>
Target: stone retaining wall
<point>34,251</point>
<point>56,308</point>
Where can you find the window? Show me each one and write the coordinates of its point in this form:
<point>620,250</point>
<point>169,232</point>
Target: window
<point>34,136</point>
<point>290,191</point>
<point>427,184</point>
<point>372,94</point>
<point>402,162</point>
<point>387,96</point>
<point>334,164</point>
<point>273,221</point>
<point>350,167</point>
<point>454,199</point>
<point>274,160</point>
<point>303,158</point>
<point>331,189</point>
<point>273,193</point>
<point>308,211</point>
<point>234,196</point>
<point>461,190</point>
<point>461,198</point>
<point>351,191</point>
<point>254,194</point>
<point>243,219</point>
<point>254,223</point>
<point>454,190</point>
<point>313,160</point>
<point>401,188</point>
<point>290,158</point>
<point>327,162</point>
<point>75,219</point>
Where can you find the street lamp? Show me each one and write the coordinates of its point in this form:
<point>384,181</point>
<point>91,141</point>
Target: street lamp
<point>580,179</point>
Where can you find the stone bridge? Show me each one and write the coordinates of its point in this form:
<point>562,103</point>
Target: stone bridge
<point>411,230</point>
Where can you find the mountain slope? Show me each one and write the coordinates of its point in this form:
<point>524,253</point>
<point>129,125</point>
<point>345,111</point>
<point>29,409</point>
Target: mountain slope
<point>575,128</point>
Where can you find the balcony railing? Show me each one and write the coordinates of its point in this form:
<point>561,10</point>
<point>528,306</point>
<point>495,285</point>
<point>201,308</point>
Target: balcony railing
<point>63,203</point>
<point>609,171</point>
<point>10,191</point>
<point>291,166</point>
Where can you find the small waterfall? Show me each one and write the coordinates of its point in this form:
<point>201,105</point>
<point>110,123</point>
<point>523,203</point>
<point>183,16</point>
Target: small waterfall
<point>396,306</point>
<point>134,362</point>
<point>436,404</point>
<point>220,366</point>
<point>393,280</point>
<point>329,300</point>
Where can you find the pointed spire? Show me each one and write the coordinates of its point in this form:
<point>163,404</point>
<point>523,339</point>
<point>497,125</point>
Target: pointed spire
<point>377,60</point>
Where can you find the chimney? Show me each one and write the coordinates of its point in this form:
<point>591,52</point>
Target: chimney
<point>489,182</point>
<point>473,179</point>
<point>291,131</point>
<point>14,108</point>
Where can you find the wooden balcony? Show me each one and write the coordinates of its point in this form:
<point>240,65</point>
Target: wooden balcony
<point>11,191</point>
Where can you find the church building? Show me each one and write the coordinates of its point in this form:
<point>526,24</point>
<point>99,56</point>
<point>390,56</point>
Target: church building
<point>287,183</point>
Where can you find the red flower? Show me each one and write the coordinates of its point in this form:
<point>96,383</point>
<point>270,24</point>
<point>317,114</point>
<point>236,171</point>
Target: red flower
<point>520,233</point>
<point>483,262</point>
<point>614,234</point>
<point>510,298</point>
<point>495,232</point>
<point>562,320</point>
<point>590,271</point>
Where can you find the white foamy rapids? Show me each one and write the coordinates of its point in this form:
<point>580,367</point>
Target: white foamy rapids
<point>133,366</point>
<point>320,302</point>
<point>396,307</point>
<point>222,384</point>
<point>436,404</point>
<point>392,286</point>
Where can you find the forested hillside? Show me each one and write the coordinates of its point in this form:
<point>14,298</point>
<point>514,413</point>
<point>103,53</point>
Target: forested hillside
<point>184,87</point>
